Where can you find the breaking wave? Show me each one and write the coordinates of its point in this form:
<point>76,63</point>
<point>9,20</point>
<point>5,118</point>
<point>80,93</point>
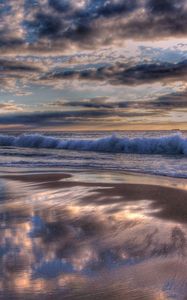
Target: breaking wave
<point>173,144</point>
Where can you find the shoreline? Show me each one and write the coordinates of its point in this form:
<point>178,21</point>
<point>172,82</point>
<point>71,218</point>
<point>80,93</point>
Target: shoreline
<point>165,196</point>
<point>10,171</point>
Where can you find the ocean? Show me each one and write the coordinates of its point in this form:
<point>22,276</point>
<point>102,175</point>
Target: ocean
<point>150,152</point>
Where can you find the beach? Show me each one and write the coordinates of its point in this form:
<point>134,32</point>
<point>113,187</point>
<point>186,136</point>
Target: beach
<point>92,235</point>
<point>93,150</point>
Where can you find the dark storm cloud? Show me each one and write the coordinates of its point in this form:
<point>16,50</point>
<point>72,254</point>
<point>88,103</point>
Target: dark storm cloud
<point>160,18</point>
<point>105,9</point>
<point>116,74</point>
<point>96,23</point>
<point>60,6</point>
<point>31,26</point>
<point>71,24</point>
<point>94,9</point>
<point>121,74</point>
<point>161,104</point>
<point>170,16</point>
<point>97,102</point>
<point>13,65</point>
<point>96,19</point>
<point>171,101</point>
<point>58,118</point>
<point>160,7</point>
<point>10,43</point>
<point>45,25</point>
<point>52,118</point>
<point>94,103</point>
<point>13,73</point>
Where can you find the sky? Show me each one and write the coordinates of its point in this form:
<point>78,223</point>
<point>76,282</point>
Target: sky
<point>93,65</point>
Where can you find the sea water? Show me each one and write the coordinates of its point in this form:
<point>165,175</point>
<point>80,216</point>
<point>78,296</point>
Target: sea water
<point>150,152</point>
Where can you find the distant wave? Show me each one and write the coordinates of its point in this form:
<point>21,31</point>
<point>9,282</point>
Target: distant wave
<point>173,144</point>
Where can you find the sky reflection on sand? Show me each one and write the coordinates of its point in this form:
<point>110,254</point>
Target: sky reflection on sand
<point>61,237</point>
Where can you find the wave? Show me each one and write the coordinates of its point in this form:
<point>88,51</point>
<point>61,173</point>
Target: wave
<point>173,144</point>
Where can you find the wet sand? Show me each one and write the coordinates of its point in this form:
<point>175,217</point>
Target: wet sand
<point>86,235</point>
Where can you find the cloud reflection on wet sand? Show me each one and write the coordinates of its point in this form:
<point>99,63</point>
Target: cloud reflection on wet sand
<point>65,238</point>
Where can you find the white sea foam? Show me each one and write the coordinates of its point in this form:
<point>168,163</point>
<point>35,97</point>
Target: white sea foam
<point>173,144</point>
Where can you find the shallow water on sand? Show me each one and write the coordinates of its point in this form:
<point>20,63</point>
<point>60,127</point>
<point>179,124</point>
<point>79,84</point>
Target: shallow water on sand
<point>92,236</point>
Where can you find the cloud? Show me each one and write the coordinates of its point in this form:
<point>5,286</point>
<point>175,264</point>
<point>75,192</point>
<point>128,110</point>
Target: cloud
<point>170,7</point>
<point>59,25</point>
<point>60,6</point>
<point>171,101</point>
<point>95,103</point>
<point>163,103</point>
<point>43,43</point>
<point>13,65</point>
<point>10,106</point>
<point>51,118</point>
<point>122,74</point>
<point>45,25</point>
<point>15,75</point>
<point>73,117</point>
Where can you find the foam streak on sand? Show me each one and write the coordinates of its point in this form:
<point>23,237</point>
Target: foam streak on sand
<point>173,144</point>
